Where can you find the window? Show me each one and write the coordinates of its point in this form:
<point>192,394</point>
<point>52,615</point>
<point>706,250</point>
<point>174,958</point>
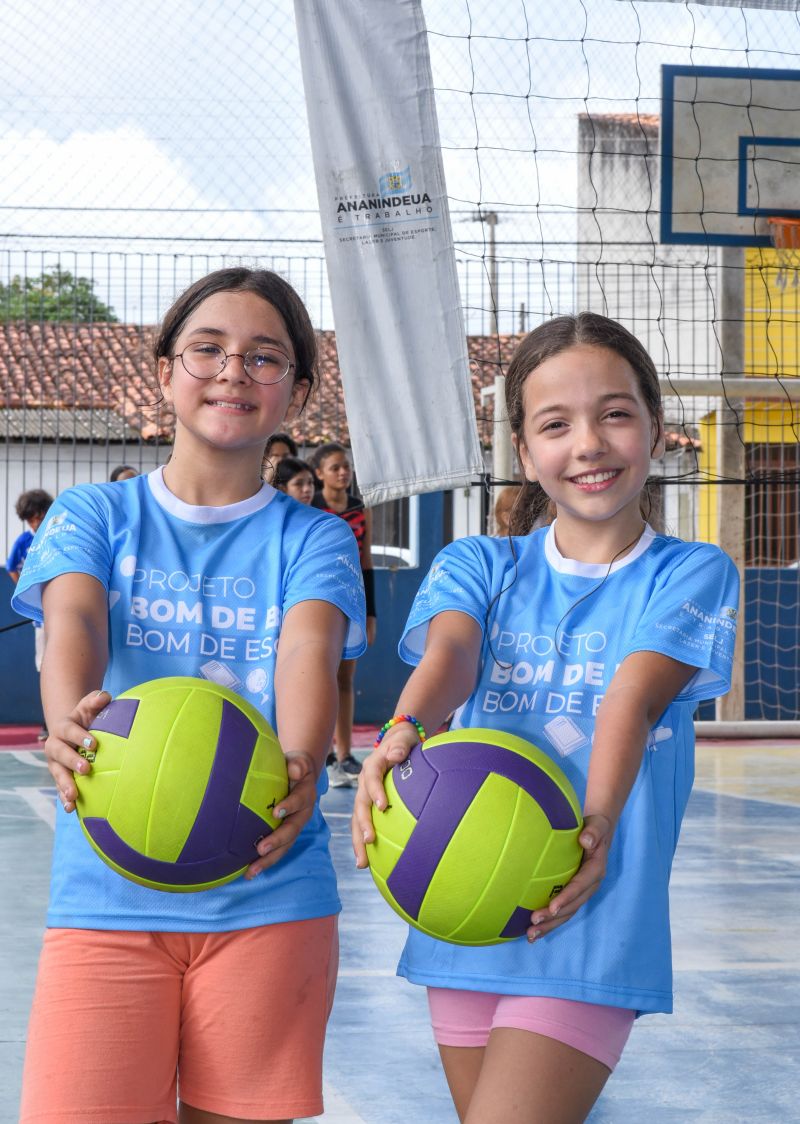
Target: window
<point>395,534</point>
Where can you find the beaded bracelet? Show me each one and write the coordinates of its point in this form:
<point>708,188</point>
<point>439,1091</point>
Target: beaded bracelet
<point>398,718</point>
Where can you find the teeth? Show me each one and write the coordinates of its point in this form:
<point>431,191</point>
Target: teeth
<point>594,477</point>
<point>232,405</point>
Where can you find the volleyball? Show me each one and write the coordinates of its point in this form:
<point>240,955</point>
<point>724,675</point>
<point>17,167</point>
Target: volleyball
<point>183,782</point>
<point>481,829</point>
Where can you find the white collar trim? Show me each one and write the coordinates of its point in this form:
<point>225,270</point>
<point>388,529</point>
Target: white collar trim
<point>194,514</point>
<point>592,569</point>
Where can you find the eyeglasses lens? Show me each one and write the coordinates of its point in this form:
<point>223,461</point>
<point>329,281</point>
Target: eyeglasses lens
<point>263,365</point>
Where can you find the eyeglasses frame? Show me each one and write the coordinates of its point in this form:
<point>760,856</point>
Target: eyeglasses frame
<point>235,355</point>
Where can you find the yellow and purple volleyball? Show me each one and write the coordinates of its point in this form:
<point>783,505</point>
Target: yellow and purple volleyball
<point>482,828</point>
<point>184,779</point>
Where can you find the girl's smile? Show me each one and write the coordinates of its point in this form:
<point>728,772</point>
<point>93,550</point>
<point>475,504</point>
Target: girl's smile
<point>595,481</point>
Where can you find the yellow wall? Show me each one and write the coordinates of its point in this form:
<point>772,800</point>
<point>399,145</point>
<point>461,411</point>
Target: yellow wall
<point>772,313</point>
<point>771,349</point>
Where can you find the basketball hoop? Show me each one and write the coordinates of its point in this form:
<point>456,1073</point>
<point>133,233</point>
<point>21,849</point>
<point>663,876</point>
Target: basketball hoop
<point>785,233</point>
<point>785,236</point>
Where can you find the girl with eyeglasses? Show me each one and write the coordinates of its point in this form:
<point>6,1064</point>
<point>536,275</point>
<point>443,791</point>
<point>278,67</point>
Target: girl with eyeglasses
<point>210,996</point>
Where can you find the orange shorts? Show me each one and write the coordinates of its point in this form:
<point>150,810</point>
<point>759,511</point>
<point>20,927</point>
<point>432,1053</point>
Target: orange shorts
<point>124,1022</point>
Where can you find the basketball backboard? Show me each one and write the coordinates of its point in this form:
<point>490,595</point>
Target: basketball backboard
<point>730,153</point>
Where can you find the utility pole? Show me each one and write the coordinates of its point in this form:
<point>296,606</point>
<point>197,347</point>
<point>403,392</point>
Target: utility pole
<point>491,218</point>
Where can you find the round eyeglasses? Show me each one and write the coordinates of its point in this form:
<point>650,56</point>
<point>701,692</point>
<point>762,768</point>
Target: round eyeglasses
<point>264,365</point>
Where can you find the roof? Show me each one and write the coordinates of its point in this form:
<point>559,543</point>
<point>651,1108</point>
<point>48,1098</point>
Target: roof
<point>640,120</point>
<point>96,382</point>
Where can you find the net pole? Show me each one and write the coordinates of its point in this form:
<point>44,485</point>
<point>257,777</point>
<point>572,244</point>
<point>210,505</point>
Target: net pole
<point>731,511</point>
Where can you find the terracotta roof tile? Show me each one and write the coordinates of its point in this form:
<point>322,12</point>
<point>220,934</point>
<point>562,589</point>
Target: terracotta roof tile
<point>102,366</point>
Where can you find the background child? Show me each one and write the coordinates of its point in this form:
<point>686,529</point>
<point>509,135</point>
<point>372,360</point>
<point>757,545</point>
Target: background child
<point>215,994</point>
<point>594,638</point>
<point>123,472</point>
<point>294,477</point>
<point>278,446</point>
<point>31,508</point>
<point>506,498</point>
<point>334,476</point>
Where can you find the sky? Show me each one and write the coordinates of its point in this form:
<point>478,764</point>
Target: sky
<point>139,138</point>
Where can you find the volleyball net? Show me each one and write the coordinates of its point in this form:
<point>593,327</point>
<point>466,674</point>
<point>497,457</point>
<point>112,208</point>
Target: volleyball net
<point>551,120</point>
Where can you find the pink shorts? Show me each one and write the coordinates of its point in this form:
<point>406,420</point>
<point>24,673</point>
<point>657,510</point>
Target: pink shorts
<point>124,1022</point>
<point>466,1018</point>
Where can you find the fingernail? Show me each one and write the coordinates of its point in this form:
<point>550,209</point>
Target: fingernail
<point>87,743</point>
<point>265,850</point>
<point>280,813</point>
<point>532,936</point>
<point>554,910</point>
<point>365,836</point>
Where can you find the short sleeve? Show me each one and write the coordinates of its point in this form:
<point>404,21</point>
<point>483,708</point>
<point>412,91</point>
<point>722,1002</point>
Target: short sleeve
<point>460,580</point>
<point>73,539</point>
<point>17,554</point>
<point>327,569</point>
<point>692,618</point>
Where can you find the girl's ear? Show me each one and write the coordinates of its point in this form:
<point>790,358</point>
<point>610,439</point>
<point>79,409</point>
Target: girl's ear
<point>164,376</point>
<point>659,440</point>
<point>300,392</point>
<point>521,449</point>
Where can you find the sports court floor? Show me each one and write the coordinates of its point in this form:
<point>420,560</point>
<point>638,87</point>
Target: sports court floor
<point>729,1054</point>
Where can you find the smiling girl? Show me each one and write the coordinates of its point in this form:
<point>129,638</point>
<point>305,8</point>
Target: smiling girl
<point>595,638</point>
<point>210,996</point>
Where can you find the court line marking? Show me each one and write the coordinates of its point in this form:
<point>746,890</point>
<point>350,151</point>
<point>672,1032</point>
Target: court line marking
<point>337,1109</point>
<point>40,803</point>
<point>29,757</point>
<point>742,796</point>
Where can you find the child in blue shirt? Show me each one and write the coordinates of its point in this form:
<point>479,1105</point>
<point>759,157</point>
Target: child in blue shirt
<point>198,568</point>
<point>595,638</point>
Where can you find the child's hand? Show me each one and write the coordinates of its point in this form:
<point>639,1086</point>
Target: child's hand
<point>595,840</point>
<point>394,748</point>
<point>295,810</point>
<point>67,740</point>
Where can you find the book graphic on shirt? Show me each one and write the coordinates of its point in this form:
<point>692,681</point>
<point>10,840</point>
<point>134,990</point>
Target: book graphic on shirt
<point>565,735</point>
<point>218,673</point>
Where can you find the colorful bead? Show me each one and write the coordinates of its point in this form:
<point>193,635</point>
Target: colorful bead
<point>398,718</point>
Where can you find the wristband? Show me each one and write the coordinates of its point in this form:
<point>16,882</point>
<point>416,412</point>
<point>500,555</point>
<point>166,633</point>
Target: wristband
<point>369,591</point>
<point>398,718</point>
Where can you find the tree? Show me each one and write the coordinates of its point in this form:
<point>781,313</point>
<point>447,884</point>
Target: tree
<point>53,296</point>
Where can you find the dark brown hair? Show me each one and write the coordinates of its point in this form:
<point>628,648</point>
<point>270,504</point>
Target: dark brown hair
<point>320,455</point>
<point>287,469</point>
<point>33,503</point>
<point>546,341</point>
<point>265,284</point>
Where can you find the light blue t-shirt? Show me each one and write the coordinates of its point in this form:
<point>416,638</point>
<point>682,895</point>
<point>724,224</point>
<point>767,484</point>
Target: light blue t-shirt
<point>547,658</point>
<point>197,591</point>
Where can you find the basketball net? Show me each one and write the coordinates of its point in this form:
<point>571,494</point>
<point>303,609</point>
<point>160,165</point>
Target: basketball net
<point>785,235</point>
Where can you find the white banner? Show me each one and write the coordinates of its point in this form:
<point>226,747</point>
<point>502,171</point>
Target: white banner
<point>389,247</point>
